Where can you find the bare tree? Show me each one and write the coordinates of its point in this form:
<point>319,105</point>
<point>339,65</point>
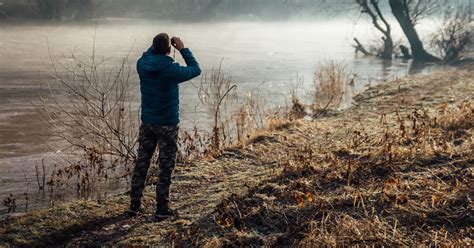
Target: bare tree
<point>455,33</point>
<point>419,9</point>
<point>404,12</point>
<point>372,9</point>
<point>91,109</point>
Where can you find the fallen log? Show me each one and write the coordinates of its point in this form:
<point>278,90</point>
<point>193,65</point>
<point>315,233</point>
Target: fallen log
<point>360,48</point>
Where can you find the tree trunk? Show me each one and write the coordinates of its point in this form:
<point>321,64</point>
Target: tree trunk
<point>388,48</point>
<point>399,10</point>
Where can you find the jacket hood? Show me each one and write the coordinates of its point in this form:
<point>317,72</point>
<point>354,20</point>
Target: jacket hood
<point>151,62</point>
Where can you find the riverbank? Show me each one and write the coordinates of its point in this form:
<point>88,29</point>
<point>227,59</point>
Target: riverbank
<point>395,169</point>
<point>267,70</point>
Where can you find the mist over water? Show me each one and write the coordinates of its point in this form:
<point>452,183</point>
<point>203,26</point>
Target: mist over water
<point>263,58</point>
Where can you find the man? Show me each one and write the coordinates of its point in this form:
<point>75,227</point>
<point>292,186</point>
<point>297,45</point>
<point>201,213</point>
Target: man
<point>160,77</point>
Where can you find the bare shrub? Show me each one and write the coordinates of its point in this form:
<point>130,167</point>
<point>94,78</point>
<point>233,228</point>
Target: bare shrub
<point>90,109</point>
<point>330,81</point>
<point>249,117</point>
<point>218,94</point>
<point>455,34</point>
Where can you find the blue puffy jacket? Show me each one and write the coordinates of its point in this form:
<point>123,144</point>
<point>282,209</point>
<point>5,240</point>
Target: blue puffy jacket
<point>159,80</point>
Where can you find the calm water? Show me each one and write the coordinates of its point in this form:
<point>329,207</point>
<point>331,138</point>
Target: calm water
<point>261,57</point>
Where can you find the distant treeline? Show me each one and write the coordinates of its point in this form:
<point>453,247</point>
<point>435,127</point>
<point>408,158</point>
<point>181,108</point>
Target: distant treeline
<point>48,9</point>
<point>78,10</point>
<point>185,10</point>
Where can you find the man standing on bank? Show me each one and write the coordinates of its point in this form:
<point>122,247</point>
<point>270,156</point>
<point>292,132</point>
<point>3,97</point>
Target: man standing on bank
<point>160,77</point>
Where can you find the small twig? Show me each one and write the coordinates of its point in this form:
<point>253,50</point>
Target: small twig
<point>37,176</point>
<point>44,175</point>
<point>27,191</point>
<point>323,110</point>
<point>236,207</point>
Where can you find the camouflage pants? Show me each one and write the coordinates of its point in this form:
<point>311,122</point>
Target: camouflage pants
<point>151,136</point>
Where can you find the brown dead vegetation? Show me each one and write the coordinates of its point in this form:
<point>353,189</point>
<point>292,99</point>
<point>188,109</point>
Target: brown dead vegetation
<point>396,169</point>
<point>401,175</point>
<point>406,183</point>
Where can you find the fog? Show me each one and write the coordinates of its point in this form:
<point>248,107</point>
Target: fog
<point>268,47</point>
<point>190,10</point>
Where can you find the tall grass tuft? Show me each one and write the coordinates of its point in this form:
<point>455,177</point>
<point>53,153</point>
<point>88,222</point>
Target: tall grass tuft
<point>330,82</point>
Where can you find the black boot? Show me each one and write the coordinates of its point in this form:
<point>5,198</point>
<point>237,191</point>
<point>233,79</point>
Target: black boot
<point>135,208</point>
<point>163,212</point>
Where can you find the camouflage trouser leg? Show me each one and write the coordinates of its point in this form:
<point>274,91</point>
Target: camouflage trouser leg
<point>168,145</point>
<point>150,136</point>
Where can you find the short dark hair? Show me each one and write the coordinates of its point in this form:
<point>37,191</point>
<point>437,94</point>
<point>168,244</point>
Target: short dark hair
<point>161,44</point>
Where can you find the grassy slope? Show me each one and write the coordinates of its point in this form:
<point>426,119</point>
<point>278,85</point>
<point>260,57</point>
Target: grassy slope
<point>364,176</point>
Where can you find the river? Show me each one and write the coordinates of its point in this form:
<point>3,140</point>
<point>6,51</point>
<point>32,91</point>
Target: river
<point>264,57</point>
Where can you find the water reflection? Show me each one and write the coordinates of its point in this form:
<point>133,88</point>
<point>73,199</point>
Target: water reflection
<point>386,67</point>
<point>417,67</point>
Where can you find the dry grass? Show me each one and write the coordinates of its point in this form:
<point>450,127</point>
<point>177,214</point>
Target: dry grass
<point>52,227</point>
<point>395,170</point>
<point>405,182</point>
<point>249,117</point>
<point>330,82</point>
<point>400,177</point>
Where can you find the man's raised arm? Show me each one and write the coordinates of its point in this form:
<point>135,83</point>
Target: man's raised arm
<point>192,69</point>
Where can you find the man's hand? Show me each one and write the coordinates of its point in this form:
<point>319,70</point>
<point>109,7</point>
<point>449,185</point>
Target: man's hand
<point>177,43</point>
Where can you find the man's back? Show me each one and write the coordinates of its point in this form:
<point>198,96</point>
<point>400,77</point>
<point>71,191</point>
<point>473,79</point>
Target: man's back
<point>159,80</point>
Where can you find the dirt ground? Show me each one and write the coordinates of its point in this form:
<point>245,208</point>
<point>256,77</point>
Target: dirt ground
<point>202,189</point>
